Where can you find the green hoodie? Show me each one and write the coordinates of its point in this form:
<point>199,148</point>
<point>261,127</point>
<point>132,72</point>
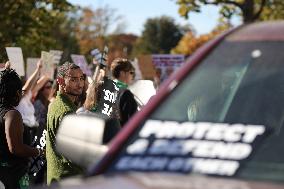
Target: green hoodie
<point>57,165</point>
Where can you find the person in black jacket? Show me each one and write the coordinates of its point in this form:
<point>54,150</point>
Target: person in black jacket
<point>123,74</point>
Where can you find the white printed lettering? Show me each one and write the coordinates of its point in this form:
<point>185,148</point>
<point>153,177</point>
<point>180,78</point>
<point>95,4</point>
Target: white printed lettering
<point>234,133</point>
<point>150,127</point>
<point>142,163</point>
<point>106,109</point>
<point>138,147</point>
<point>201,129</point>
<point>176,164</point>
<point>252,132</point>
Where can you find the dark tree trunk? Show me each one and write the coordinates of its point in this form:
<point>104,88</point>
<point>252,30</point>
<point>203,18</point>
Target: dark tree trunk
<point>248,11</point>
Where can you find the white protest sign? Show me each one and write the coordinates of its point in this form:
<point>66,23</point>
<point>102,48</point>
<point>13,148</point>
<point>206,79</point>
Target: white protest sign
<point>167,63</point>
<point>143,90</point>
<point>47,64</point>
<point>16,59</point>
<point>31,66</point>
<point>56,55</point>
<point>81,61</point>
<point>138,74</point>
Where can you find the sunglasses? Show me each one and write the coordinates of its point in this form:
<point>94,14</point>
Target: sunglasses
<point>132,72</point>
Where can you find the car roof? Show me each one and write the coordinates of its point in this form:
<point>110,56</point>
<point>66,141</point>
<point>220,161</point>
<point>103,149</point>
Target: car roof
<point>259,31</point>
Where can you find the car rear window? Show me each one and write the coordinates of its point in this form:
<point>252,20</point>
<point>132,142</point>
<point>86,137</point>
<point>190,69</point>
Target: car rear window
<point>238,83</point>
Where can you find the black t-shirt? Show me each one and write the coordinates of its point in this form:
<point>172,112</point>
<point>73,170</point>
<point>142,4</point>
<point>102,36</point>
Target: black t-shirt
<point>127,105</point>
<point>12,167</point>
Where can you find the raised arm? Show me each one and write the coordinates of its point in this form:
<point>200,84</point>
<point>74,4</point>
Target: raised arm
<point>39,84</point>
<point>30,83</point>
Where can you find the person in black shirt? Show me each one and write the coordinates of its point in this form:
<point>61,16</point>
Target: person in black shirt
<point>123,73</point>
<point>14,153</point>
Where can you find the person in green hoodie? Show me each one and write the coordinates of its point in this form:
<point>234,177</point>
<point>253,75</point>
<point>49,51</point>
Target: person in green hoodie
<point>71,82</point>
<point>123,73</point>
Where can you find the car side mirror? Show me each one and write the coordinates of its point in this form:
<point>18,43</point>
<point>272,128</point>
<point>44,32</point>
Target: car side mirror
<point>80,139</point>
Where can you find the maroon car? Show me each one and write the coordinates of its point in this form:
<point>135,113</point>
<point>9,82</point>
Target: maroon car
<point>216,123</point>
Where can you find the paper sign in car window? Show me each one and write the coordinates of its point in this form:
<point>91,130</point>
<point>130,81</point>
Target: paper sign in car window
<point>206,148</point>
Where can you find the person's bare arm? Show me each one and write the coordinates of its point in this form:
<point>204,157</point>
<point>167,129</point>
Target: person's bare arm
<point>30,83</point>
<point>7,65</point>
<point>14,135</point>
<point>39,84</point>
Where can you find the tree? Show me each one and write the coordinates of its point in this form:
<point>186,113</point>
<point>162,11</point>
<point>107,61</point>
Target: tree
<point>35,25</point>
<point>120,45</point>
<point>189,43</point>
<point>250,10</point>
<point>273,11</point>
<point>160,35</point>
<point>94,25</point>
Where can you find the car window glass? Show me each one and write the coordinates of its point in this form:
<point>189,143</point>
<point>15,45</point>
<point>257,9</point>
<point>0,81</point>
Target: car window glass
<point>239,82</point>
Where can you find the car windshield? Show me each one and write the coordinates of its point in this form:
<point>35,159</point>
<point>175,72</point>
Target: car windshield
<point>239,82</point>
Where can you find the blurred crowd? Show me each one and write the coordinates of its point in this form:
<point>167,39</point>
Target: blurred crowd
<point>31,112</point>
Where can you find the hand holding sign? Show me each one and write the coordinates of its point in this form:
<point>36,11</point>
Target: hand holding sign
<point>99,59</point>
<point>39,64</point>
<point>7,65</point>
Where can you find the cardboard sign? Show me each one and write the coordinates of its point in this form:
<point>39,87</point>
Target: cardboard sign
<point>47,64</point>
<point>56,56</point>
<point>81,61</point>
<point>100,57</point>
<point>166,64</point>
<point>16,59</point>
<point>31,66</point>
<point>142,90</point>
<point>138,74</point>
<point>146,66</point>
<point>206,148</point>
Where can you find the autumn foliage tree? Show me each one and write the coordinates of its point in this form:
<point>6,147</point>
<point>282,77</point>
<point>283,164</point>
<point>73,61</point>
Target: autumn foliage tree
<point>93,27</point>
<point>249,10</point>
<point>120,45</point>
<point>189,43</point>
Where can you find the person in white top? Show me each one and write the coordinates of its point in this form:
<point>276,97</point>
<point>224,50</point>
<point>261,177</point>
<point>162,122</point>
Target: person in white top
<point>25,107</point>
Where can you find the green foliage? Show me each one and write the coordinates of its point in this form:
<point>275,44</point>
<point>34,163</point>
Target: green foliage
<point>274,10</point>
<point>160,35</point>
<point>249,10</point>
<point>36,25</point>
